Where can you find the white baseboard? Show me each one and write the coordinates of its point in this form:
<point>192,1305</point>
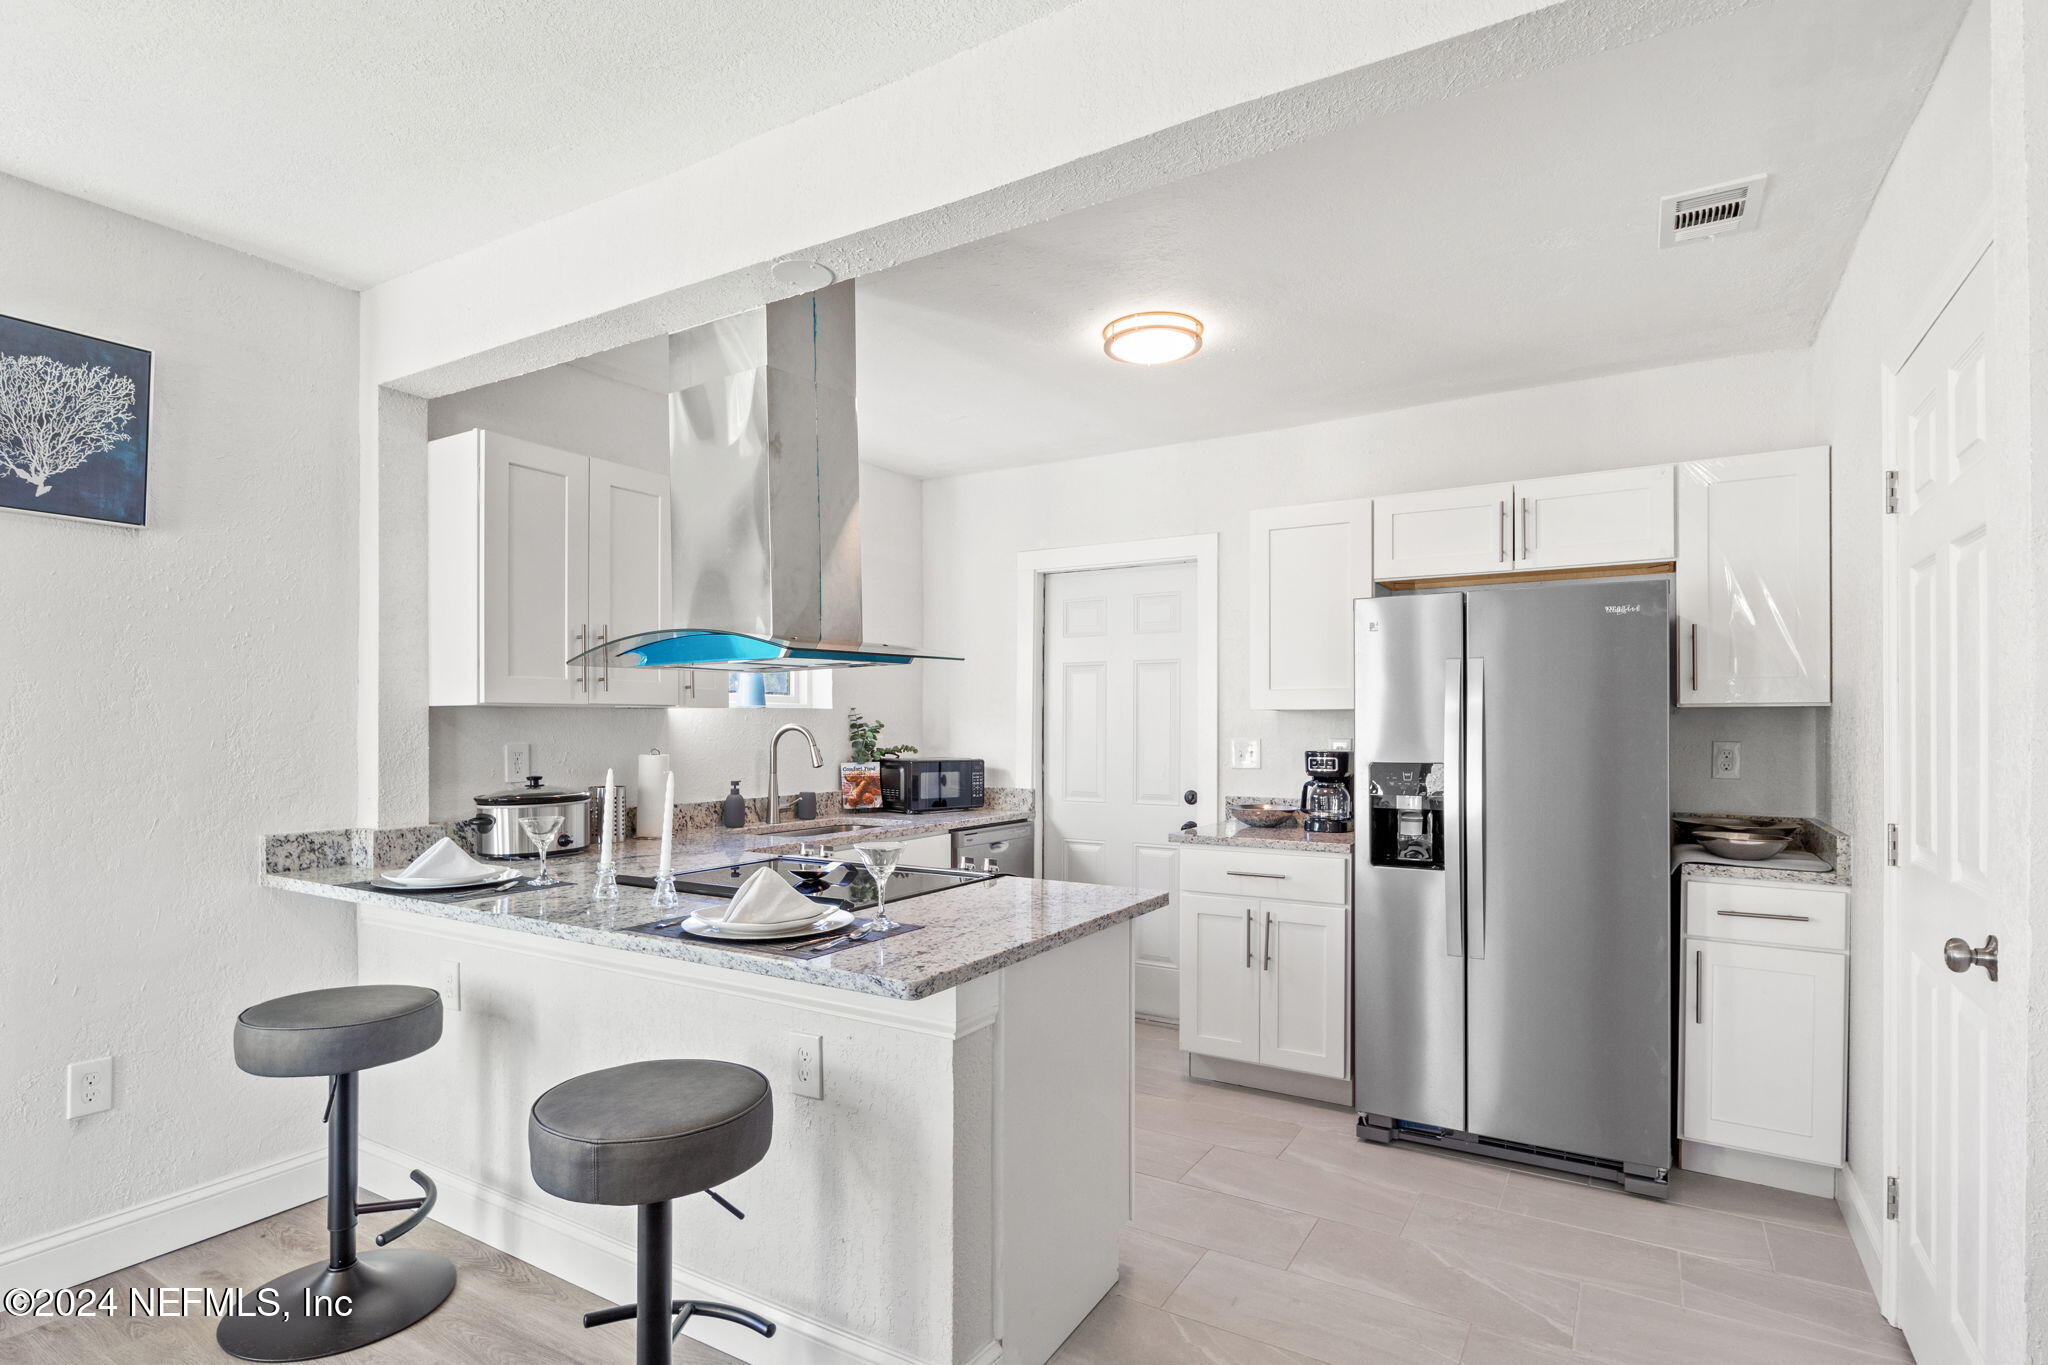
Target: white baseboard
<point>527,1228</point>
<point>104,1245</point>
<point>1800,1177</point>
<point>1867,1232</point>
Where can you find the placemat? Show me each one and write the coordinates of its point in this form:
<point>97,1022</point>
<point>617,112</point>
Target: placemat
<point>450,897</point>
<point>673,928</point>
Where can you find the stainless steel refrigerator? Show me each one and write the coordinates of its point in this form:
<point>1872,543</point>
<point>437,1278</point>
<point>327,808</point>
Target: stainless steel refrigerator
<point>1512,897</point>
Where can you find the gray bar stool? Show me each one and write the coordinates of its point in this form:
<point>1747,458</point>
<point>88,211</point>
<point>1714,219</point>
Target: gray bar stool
<point>354,1300</point>
<point>647,1133</point>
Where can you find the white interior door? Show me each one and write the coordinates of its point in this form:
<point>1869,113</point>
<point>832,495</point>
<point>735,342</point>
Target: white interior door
<point>629,576</point>
<point>1120,743</point>
<point>536,591</point>
<point>1943,733</point>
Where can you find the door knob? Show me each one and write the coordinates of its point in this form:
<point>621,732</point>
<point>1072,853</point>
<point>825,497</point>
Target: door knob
<point>1188,796</point>
<point>1960,956</point>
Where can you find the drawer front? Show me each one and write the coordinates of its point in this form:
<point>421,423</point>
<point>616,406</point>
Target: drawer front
<point>1322,878</point>
<point>1757,912</point>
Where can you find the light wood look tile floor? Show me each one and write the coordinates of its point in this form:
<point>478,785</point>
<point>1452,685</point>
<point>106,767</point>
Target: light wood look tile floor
<point>1265,1234</point>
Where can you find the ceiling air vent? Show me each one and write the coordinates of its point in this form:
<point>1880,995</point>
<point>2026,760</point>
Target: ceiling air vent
<point>1712,212</point>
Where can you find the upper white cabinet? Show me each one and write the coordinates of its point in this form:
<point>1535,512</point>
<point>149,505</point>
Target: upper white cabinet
<point>1308,563</point>
<point>1612,516</point>
<point>1753,592</point>
<point>533,554</point>
<point>1443,533</point>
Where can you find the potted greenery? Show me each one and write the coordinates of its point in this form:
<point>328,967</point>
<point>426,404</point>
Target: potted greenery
<point>860,782</point>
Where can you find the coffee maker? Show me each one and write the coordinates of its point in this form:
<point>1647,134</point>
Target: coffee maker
<point>1326,796</point>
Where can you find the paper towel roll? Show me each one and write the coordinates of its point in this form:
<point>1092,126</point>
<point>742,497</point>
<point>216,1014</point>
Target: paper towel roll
<point>653,778</point>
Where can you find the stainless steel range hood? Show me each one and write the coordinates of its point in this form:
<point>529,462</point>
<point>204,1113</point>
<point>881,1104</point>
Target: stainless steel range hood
<point>764,482</point>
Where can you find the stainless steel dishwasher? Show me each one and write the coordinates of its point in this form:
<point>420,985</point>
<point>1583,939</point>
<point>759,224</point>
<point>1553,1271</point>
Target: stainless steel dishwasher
<point>1013,848</point>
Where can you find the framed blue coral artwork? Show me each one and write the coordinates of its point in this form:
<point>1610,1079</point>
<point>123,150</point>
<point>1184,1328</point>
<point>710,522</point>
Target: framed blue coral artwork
<point>74,424</point>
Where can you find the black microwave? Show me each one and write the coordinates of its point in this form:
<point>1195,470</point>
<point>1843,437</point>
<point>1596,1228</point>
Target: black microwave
<point>919,784</point>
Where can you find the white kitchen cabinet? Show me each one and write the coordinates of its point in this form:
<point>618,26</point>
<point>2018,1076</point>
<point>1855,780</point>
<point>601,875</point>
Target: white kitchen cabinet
<point>1308,564</point>
<point>1763,1065</point>
<point>1753,592</point>
<point>1263,972</point>
<point>1302,1004</point>
<point>1613,516</point>
<point>1443,533</point>
<point>531,553</point>
<point>1219,982</point>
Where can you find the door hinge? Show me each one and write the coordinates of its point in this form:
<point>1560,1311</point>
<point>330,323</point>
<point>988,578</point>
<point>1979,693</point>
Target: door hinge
<point>1891,845</point>
<point>1891,1196</point>
<point>1891,491</point>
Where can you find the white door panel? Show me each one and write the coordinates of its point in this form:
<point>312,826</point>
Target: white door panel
<point>1119,738</point>
<point>1219,976</point>
<point>1441,533</point>
<point>1944,735</point>
<point>629,576</point>
<point>1615,516</point>
<point>1764,1049</point>
<point>1308,564</point>
<point>1304,1022</point>
<point>536,544</point>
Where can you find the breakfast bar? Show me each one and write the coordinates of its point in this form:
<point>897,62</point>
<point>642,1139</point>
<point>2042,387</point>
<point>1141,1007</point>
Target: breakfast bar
<point>951,1162</point>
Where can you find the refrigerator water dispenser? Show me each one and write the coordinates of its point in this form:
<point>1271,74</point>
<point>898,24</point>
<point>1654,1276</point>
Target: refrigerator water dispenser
<point>1406,815</point>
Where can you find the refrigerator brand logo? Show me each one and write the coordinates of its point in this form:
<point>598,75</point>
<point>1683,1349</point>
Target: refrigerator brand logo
<point>1623,609</point>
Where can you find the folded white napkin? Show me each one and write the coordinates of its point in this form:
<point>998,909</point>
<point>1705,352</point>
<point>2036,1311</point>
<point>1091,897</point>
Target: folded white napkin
<point>765,898</point>
<point>446,861</point>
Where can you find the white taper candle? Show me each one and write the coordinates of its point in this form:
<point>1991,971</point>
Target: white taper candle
<point>668,822</point>
<point>610,816</point>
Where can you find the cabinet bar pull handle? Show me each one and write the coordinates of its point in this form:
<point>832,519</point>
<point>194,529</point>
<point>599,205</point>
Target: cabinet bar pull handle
<point>1501,538</point>
<point>1758,914</point>
<point>1262,876</point>
<point>604,677</point>
<point>1699,985</point>
<point>1525,528</point>
<point>1269,941</point>
<point>1247,937</point>
<point>1695,656</point>
<point>583,669</point>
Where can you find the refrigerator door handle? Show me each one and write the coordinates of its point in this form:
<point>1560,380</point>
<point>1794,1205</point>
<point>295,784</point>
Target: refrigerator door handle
<point>1454,790</point>
<point>1474,839</point>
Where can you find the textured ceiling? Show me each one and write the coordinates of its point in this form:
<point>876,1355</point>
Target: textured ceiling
<point>1500,240</point>
<point>358,141</point>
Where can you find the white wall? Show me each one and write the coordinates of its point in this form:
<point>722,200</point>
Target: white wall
<point>174,694</point>
<point>977,523</point>
<point>573,409</point>
<point>1937,190</point>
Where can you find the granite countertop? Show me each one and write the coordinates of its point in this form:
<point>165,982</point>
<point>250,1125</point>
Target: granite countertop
<point>1816,839</point>
<point>1289,838</point>
<point>968,931</point>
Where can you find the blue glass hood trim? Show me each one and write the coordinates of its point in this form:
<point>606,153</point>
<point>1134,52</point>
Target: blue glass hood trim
<point>732,650</point>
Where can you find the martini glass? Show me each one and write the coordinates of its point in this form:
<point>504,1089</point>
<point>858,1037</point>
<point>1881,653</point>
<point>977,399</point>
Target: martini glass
<point>542,829</point>
<point>880,860</point>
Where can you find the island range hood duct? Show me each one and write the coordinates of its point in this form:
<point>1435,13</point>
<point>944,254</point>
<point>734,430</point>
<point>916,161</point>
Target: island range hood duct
<point>764,483</point>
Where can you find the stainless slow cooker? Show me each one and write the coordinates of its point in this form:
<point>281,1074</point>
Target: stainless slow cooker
<point>494,832</point>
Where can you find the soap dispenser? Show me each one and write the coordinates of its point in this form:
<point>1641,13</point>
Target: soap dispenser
<point>732,812</point>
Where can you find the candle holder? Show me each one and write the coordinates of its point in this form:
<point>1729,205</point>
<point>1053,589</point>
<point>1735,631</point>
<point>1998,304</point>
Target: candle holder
<point>606,887</point>
<point>665,897</point>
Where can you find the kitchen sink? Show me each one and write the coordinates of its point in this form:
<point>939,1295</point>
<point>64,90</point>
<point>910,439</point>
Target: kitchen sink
<point>809,827</point>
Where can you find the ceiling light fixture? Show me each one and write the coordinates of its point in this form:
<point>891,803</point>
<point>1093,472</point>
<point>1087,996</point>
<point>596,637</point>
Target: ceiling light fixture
<point>1152,338</point>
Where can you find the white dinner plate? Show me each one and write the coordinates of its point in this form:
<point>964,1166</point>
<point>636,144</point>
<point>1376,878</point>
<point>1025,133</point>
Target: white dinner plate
<point>824,924</point>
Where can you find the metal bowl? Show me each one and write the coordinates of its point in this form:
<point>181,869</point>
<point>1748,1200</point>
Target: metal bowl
<point>1262,814</point>
<point>1745,847</point>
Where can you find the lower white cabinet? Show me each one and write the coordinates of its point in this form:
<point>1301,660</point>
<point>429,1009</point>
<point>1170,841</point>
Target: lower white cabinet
<point>1263,978</point>
<point>1764,990</point>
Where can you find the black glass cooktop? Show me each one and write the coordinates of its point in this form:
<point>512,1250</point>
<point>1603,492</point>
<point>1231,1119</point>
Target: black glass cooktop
<point>835,885</point>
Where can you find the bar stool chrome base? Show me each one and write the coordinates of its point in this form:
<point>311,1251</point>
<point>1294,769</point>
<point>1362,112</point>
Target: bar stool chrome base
<point>321,1311</point>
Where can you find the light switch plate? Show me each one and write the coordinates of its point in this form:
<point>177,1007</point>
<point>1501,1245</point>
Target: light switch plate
<point>1727,758</point>
<point>1244,753</point>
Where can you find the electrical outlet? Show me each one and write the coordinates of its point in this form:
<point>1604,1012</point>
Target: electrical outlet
<point>1244,753</point>
<point>1727,758</point>
<point>807,1065</point>
<point>518,761</point>
<point>449,983</point>
<point>88,1087</point>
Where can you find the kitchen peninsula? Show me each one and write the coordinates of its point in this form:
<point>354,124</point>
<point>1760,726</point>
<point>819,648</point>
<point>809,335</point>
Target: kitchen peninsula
<point>952,1194</point>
